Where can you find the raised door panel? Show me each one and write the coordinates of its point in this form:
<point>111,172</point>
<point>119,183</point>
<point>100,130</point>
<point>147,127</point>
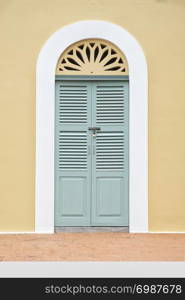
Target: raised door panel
<point>72,193</point>
<point>109,195</point>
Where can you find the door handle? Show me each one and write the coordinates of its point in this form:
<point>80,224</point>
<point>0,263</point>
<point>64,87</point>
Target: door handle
<point>94,129</point>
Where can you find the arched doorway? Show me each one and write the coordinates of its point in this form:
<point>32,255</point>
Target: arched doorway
<point>45,151</point>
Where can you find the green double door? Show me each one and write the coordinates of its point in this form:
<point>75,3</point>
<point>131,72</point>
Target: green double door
<point>91,143</point>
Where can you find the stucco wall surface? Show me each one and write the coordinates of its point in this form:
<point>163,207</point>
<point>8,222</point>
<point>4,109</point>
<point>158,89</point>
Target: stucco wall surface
<point>158,25</point>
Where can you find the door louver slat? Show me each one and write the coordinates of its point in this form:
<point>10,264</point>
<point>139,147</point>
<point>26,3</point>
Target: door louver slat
<point>109,104</point>
<point>72,150</point>
<point>72,104</point>
<point>110,151</point>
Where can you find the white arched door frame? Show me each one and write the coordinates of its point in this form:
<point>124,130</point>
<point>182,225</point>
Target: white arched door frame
<point>45,120</point>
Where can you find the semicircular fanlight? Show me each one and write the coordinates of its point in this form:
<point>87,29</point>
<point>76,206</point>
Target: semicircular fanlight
<point>92,57</point>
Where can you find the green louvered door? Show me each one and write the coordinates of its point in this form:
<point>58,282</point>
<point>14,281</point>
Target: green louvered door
<point>91,169</point>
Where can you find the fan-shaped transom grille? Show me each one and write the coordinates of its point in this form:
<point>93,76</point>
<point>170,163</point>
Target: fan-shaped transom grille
<point>92,57</point>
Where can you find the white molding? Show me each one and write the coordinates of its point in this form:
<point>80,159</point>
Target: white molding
<point>138,119</point>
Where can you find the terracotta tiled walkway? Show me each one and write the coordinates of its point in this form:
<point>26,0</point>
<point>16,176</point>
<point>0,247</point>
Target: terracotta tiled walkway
<point>93,247</point>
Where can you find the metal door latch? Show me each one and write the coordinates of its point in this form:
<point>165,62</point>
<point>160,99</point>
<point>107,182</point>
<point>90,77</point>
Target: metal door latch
<point>94,129</point>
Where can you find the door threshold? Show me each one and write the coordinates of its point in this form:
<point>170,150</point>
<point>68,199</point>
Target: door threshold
<point>92,229</point>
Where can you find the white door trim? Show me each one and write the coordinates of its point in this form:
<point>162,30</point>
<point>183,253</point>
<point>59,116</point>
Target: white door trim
<point>45,120</point>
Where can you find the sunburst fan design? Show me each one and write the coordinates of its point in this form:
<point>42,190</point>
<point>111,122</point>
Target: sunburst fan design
<point>92,57</point>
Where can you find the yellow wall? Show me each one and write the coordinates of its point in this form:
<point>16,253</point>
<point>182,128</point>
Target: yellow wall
<point>158,25</point>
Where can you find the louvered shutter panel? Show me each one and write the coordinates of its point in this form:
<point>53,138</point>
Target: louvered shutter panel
<point>73,182</point>
<point>110,151</point>
<point>72,151</point>
<point>110,161</point>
